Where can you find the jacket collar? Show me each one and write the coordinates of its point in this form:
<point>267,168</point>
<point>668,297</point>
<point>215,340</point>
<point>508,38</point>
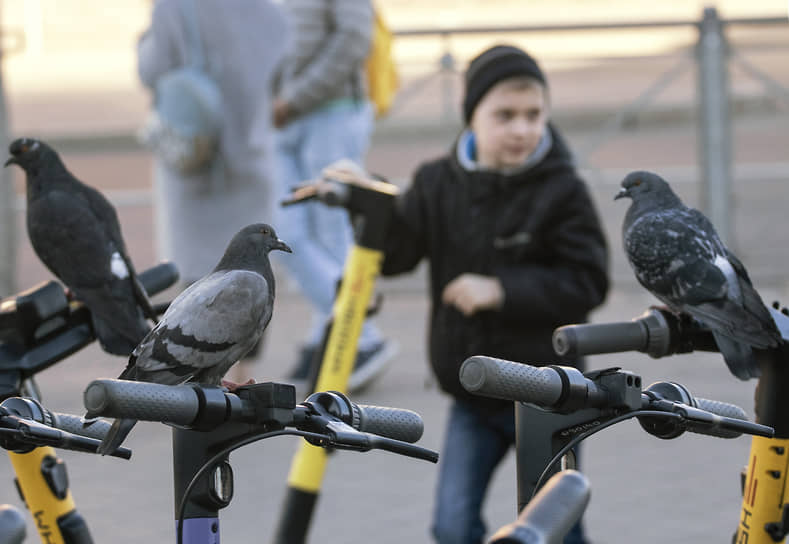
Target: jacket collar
<point>465,154</point>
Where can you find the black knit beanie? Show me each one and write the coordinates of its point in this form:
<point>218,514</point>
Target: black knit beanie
<point>490,67</point>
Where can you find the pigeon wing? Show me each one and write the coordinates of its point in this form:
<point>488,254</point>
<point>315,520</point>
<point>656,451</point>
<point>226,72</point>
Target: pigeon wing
<point>65,236</point>
<point>678,256</point>
<point>107,216</point>
<point>69,241</point>
<point>206,329</point>
<point>673,256</point>
<point>753,303</point>
<point>741,314</point>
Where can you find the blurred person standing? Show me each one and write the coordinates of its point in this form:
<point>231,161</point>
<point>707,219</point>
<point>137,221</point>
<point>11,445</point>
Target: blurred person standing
<point>242,42</point>
<point>323,115</point>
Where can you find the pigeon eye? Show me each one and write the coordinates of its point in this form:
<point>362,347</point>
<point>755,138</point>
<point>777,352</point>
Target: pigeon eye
<point>636,183</point>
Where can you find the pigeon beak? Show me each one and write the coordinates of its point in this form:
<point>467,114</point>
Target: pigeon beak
<point>279,244</point>
<point>11,160</point>
<point>621,194</point>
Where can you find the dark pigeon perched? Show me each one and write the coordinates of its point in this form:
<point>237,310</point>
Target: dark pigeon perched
<point>75,232</point>
<point>677,255</point>
<point>210,325</point>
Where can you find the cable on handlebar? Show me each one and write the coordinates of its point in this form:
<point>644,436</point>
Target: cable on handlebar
<point>335,425</point>
<point>227,451</point>
<point>586,434</point>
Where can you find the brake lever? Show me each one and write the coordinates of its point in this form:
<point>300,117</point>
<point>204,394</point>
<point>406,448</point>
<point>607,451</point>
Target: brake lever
<point>38,434</point>
<point>403,448</point>
<point>703,417</point>
<point>64,439</point>
<point>343,436</point>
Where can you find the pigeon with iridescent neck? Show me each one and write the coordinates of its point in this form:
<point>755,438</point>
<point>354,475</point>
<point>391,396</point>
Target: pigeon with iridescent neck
<point>678,256</point>
<point>75,232</point>
<point>210,325</point>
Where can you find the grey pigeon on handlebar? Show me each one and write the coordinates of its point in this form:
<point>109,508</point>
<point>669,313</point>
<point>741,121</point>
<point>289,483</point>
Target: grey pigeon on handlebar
<point>210,325</point>
<point>75,232</point>
<point>677,255</point>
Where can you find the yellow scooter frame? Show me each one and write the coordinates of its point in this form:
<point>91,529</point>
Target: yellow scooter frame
<point>764,516</point>
<point>372,201</point>
<point>41,477</point>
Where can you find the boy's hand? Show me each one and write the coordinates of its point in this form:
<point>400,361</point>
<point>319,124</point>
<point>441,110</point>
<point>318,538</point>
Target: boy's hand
<point>471,293</point>
<point>345,166</point>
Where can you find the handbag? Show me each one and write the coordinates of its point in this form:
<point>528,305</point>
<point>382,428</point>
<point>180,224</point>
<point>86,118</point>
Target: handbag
<point>184,125</point>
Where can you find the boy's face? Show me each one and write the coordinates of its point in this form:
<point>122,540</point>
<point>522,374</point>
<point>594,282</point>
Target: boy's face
<point>508,123</point>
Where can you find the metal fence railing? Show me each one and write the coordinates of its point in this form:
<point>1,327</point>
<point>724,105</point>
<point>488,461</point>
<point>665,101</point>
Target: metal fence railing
<point>712,55</point>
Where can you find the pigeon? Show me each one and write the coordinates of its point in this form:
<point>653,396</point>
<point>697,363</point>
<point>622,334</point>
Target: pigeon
<point>677,255</point>
<point>75,232</point>
<point>210,325</point>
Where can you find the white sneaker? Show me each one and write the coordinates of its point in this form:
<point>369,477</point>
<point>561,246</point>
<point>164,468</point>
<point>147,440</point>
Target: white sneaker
<point>370,364</point>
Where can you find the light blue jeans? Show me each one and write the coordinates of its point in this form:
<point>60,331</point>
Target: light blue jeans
<point>474,445</point>
<point>320,236</point>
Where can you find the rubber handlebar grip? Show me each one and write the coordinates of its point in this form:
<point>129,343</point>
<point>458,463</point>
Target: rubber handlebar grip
<point>498,378</point>
<point>396,423</point>
<point>576,340</point>
<point>77,425</point>
<point>144,401</point>
<point>551,514</point>
<point>722,409</point>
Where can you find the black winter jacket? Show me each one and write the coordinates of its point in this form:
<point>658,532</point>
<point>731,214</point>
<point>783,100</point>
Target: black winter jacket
<point>537,231</point>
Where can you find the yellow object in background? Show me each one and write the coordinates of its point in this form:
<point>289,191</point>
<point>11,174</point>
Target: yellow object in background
<point>382,77</point>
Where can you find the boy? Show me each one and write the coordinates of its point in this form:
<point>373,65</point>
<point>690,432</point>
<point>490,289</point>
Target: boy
<point>515,249</point>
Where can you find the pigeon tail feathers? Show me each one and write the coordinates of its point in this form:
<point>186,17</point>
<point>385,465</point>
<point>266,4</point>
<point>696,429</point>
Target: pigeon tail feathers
<point>739,357</point>
<point>735,322</point>
<point>118,432</point>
